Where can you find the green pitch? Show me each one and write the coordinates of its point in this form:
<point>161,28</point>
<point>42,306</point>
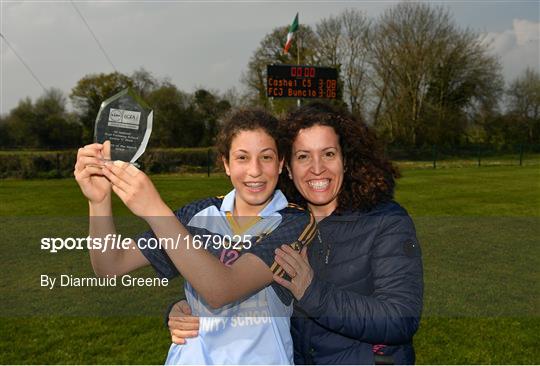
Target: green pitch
<point>478,227</point>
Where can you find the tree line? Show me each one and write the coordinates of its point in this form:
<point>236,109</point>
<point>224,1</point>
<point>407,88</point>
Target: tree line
<point>413,74</point>
<point>180,118</point>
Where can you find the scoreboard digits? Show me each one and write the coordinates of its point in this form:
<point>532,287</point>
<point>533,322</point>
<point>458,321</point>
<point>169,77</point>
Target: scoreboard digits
<point>301,81</point>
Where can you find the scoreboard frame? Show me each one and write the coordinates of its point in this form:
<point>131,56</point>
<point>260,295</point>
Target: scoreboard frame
<point>301,81</point>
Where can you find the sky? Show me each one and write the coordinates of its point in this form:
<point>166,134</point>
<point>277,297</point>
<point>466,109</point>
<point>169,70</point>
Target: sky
<point>202,43</point>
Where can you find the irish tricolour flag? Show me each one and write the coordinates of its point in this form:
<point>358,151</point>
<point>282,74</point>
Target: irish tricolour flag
<point>292,29</point>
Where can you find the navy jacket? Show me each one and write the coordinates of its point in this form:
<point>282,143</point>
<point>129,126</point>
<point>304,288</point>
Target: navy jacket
<point>365,300</point>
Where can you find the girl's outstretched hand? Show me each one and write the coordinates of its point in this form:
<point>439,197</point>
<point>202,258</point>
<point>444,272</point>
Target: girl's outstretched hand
<point>135,189</point>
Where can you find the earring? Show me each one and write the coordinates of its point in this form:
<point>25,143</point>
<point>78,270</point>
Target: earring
<point>290,176</point>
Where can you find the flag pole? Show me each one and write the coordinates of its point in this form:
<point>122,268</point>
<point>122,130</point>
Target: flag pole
<point>298,101</point>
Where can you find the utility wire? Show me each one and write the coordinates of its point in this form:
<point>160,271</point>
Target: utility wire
<point>24,63</point>
<point>93,35</point>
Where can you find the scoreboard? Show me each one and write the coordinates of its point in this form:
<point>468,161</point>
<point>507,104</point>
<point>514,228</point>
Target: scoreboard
<point>301,81</point>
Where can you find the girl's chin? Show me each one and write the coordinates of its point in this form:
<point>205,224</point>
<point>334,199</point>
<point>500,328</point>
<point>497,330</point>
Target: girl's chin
<point>257,198</point>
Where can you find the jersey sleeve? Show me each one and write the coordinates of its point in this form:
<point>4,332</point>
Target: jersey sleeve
<point>157,256</point>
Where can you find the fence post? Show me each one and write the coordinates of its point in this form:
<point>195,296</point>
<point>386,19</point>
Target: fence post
<point>479,156</point>
<point>208,162</point>
<point>434,151</point>
<point>521,155</point>
<point>58,173</point>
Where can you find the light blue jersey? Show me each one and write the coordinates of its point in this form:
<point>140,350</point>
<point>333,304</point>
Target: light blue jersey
<point>255,330</point>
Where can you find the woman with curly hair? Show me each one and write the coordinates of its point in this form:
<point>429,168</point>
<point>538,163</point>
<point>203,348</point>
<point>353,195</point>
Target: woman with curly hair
<point>359,288</point>
<point>359,291</point>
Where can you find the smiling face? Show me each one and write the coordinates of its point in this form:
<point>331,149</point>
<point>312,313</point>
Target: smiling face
<point>254,168</point>
<point>317,168</point>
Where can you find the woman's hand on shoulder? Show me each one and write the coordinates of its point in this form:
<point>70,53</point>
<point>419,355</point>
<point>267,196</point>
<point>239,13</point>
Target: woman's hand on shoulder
<point>181,323</point>
<point>297,266</point>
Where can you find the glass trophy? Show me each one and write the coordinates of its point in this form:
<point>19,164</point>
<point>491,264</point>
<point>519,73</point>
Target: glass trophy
<point>126,121</point>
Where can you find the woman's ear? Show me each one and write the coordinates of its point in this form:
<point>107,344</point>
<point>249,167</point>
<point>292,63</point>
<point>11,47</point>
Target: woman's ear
<point>226,165</point>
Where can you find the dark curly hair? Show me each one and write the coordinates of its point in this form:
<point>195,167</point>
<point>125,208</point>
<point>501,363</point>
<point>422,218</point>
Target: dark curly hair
<point>369,178</point>
<point>246,119</point>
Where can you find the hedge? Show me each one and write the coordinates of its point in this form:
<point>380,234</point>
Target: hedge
<point>59,164</point>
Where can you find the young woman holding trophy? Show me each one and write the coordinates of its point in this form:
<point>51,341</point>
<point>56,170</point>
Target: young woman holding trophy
<point>245,316</point>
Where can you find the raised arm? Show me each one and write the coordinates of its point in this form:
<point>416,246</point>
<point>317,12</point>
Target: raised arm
<point>216,283</point>
<point>97,189</point>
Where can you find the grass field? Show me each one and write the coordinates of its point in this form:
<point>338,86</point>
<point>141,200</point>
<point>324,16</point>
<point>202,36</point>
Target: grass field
<point>479,229</point>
